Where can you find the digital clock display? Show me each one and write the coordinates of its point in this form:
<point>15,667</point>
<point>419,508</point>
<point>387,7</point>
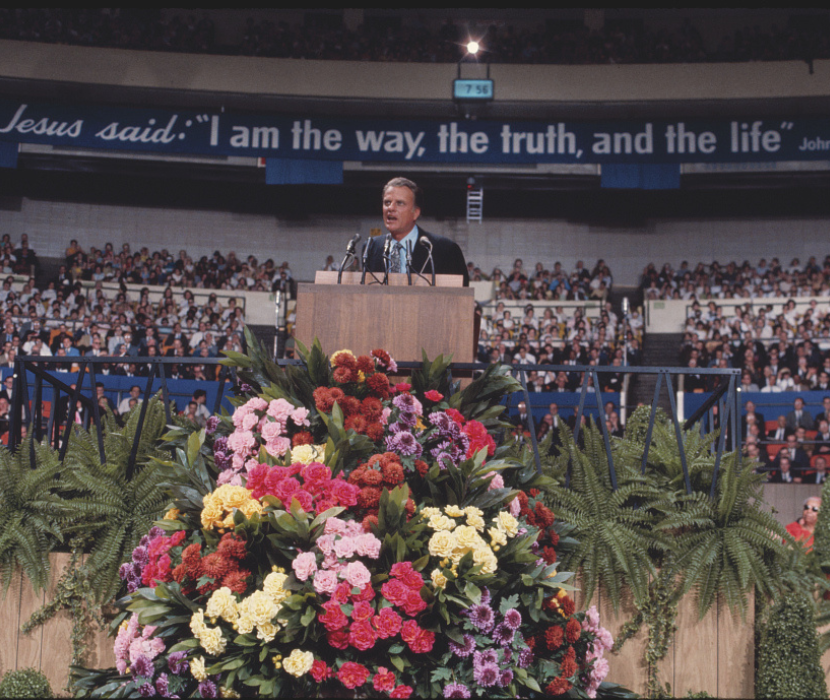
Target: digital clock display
<point>470,89</point>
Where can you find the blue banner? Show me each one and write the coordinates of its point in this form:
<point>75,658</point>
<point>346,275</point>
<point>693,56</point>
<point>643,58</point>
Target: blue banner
<point>416,141</point>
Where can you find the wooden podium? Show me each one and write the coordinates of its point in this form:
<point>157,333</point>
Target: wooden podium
<point>397,317</point>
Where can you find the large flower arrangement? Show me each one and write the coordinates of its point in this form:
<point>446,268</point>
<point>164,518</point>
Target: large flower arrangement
<point>373,541</point>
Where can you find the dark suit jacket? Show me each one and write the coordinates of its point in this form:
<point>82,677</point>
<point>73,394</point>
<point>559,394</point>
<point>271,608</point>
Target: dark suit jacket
<point>449,260</point>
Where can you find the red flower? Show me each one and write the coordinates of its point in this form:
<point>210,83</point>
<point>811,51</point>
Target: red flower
<point>572,631</point>
<point>456,416</point>
<point>368,521</point>
<point>393,474</point>
<point>374,431</point>
<point>362,635</point>
<point>479,439</point>
<point>568,606</point>
<point>558,686</point>
<point>333,618</point>
<point>365,364</point>
<point>323,400</point>
<point>319,671</point>
<point>568,666</point>
<point>237,581</point>
<point>339,639</point>
<point>402,386</point>
<point>402,691</point>
<point>344,359</point>
<point>382,356</point>
<point>352,674</point>
<point>384,680</point>
<point>387,622</point>
<point>371,408</point>
<point>422,467</point>
<point>232,547</point>
<point>362,611</point>
<point>366,594</point>
<point>403,570</point>
<point>549,555</point>
<point>302,438</point>
<point>413,603</point>
<point>344,493</point>
<point>372,477</point>
<point>369,498</point>
<point>394,591</point>
<point>554,636</point>
<point>433,395</point>
<point>378,384</point>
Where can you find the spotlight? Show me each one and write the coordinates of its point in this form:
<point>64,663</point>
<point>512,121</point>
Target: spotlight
<point>473,47</point>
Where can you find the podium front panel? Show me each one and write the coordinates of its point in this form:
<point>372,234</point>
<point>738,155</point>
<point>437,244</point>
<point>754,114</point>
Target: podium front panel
<point>401,319</point>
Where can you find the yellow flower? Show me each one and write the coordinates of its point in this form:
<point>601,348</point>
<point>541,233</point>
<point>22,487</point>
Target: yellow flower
<point>245,623</point>
<point>441,544</point>
<point>299,662</point>
<point>222,604</point>
<point>306,454</point>
<point>212,641</point>
<point>267,631</point>
<point>485,557</point>
<point>197,669</point>
<point>232,496</point>
<point>475,517</point>
<point>273,586</point>
<point>508,523</point>
<point>497,537</point>
<point>454,511</point>
<point>429,511</point>
<point>467,537</point>
<point>441,522</point>
<point>438,579</point>
<point>250,507</point>
<point>212,512</point>
<point>261,607</point>
<point>360,377</point>
<point>228,692</point>
<point>172,514</point>
<point>197,622</point>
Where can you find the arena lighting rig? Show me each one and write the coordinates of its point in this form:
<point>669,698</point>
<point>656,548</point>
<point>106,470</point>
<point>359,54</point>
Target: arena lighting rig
<point>472,90</point>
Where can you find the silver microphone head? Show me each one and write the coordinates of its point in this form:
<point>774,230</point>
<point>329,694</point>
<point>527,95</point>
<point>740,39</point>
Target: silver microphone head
<point>387,244</point>
<point>424,241</point>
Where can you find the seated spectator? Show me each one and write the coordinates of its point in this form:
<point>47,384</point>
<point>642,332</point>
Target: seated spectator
<point>798,417</point>
<point>820,476</point>
<point>134,394</point>
<point>783,473</point>
<point>781,431</point>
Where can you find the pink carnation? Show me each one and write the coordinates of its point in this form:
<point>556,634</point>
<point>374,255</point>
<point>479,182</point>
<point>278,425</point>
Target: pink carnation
<point>515,507</point>
<point>304,565</point>
<point>300,416</point>
<point>497,482</point>
<point>229,477</point>
<point>280,409</point>
<point>271,431</point>
<point>325,582</point>
<point>344,547</point>
<point>367,545</point>
<point>241,442</point>
<point>334,525</point>
<point>278,447</point>
<point>356,574</point>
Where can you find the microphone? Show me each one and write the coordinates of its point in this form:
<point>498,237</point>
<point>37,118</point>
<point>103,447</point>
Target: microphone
<point>387,246</point>
<point>350,248</point>
<point>409,262</point>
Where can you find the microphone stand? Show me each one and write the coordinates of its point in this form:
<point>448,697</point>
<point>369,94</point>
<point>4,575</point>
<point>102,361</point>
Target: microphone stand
<point>348,257</point>
<point>386,261</point>
<point>409,262</point>
<point>365,260</point>
<point>428,244</point>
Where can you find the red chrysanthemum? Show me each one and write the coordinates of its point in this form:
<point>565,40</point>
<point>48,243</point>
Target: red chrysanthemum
<point>232,547</point>
<point>554,637</point>
<point>365,364</point>
<point>356,422</point>
<point>302,438</point>
<point>371,477</point>
<point>369,498</point>
<point>393,474</point>
<point>568,606</point>
<point>368,521</point>
<point>549,555</point>
<point>572,630</point>
<point>344,359</point>
<point>382,356</point>
<point>378,384</point>
<point>343,375</point>
<point>568,666</point>
<point>323,400</point>
<point>371,408</point>
<point>558,686</point>
<point>422,467</point>
<point>216,566</point>
<point>237,581</point>
<point>374,431</point>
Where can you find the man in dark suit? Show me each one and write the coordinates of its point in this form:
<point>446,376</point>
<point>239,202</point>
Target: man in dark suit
<point>401,209</point>
<point>798,417</point>
<point>752,415</point>
<point>780,432</point>
<point>784,473</point>
<point>799,459</point>
<point>522,419</point>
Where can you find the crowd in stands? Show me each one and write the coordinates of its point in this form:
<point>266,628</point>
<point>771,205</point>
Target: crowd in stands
<point>162,268</point>
<point>737,281</point>
<point>195,32</point>
<point>545,333</point>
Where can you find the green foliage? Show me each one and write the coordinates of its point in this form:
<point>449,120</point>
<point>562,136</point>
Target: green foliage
<point>618,543</point>
<point>28,498</point>
<point>821,536</point>
<point>25,683</point>
<point>788,660</point>
<point>480,400</point>
<point>729,544</point>
<point>636,426</point>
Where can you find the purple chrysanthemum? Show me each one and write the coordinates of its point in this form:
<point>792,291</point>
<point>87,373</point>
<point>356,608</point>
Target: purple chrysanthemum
<point>211,425</point>
<point>155,531</point>
<point>177,661</point>
<point>456,690</point>
<point>488,656</point>
<point>404,444</point>
<point>408,419</point>
<point>525,658</point>
<point>513,619</point>
<point>464,650</point>
<point>485,596</point>
<point>486,674</point>
<point>506,678</point>
<point>147,690</point>
<point>222,460</point>
<point>440,420</point>
<point>207,689</point>
<point>143,667</point>
<point>503,635</point>
<point>161,685</point>
<point>141,556</point>
<point>482,617</point>
<point>407,403</point>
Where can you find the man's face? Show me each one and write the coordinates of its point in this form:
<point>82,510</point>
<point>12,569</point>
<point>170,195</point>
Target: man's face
<point>399,211</point>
